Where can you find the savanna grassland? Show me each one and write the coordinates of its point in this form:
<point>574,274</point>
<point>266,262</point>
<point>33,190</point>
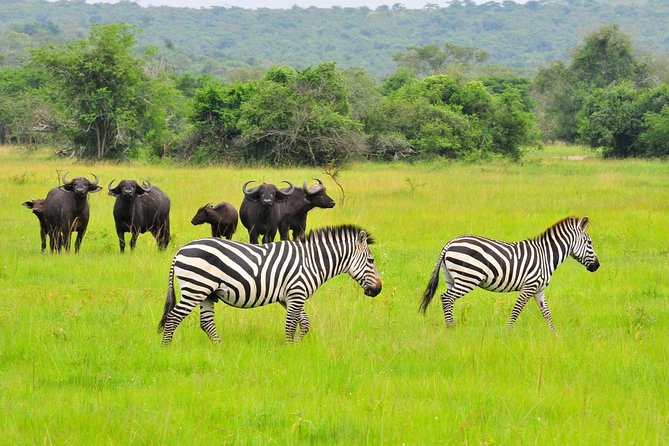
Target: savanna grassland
<point>81,362</point>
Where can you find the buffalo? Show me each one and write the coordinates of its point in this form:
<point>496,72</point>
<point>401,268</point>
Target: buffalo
<point>222,218</point>
<point>292,214</point>
<point>66,210</point>
<point>140,208</point>
<point>256,211</point>
<point>37,206</point>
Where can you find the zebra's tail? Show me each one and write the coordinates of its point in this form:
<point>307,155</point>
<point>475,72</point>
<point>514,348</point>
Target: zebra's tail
<point>432,285</point>
<point>170,299</point>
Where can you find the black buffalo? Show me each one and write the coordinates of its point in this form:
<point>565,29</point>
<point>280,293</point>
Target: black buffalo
<point>256,210</point>
<point>140,208</point>
<point>222,218</point>
<point>66,210</point>
<point>292,214</point>
<point>37,206</point>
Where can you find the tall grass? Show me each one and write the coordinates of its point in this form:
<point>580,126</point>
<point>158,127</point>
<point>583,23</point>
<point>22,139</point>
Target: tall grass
<point>81,362</point>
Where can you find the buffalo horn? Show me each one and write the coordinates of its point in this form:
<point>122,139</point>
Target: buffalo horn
<point>146,186</point>
<point>110,186</point>
<point>290,188</point>
<point>313,189</point>
<point>249,191</point>
<point>97,180</point>
<point>64,179</point>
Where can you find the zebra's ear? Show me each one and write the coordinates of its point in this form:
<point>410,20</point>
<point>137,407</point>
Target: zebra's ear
<point>362,237</point>
<point>584,222</point>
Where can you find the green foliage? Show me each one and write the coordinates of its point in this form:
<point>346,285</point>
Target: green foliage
<point>614,118</point>
<point>440,116</point>
<point>655,137</point>
<point>287,117</point>
<point>104,89</point>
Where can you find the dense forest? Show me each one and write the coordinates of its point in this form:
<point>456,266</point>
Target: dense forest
<point>110,92</point>
<point>227,41</point>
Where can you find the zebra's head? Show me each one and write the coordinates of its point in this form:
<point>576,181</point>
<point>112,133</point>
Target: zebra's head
<point>582,249</point>
<point>363,269</point>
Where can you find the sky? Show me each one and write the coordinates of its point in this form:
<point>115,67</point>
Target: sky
<point>285,4</point>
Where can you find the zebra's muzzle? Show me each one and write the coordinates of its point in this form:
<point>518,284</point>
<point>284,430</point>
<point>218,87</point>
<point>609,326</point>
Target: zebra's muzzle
<point>594,266</point>
<point>375,290</point>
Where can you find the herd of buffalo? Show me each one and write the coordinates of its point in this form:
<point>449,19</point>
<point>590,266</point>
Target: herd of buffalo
<point>139,208</point>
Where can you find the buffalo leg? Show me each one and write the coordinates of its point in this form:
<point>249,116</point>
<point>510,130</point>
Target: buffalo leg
<point>80,237</point>
<point>121,240</point>
<point>133,239</point>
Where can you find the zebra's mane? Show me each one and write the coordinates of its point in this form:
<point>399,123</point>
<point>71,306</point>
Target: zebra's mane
<point>335,231</point>
<point>567,221</point>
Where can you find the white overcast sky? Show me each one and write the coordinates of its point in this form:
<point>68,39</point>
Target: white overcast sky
<point>285,4</point>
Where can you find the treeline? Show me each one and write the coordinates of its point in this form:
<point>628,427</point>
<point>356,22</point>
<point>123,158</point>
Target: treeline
<point>99,97</point>
<point>230,42</point>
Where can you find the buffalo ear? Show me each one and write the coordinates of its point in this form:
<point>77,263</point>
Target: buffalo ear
<point>66,187</point>
<point>94,188</point>
<point>28,204</point>
<point>115,192</point>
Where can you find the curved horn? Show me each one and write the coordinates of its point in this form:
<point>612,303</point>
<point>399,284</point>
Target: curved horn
<point>97,180</point>
<point>313,189</point>
<point>146,186</point>
<point>249,191</point>
<point>290,189</point>
<point>109,188</point>
<point>64,179</point>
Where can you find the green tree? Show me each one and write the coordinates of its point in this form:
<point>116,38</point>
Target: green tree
<point>105,89</point>
<point>655,136</point>
<point>607,56</point>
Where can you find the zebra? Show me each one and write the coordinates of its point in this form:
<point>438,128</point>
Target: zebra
<point>526,266</point>
<point>244,275</point>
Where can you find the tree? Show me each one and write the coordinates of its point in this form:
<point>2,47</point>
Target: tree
<point>104,89</point>
<point>432,59</point>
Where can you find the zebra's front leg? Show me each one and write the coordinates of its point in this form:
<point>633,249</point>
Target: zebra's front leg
<point>540,298</point>
<point>519,305</point>
<point>207,322</point>
<point>304,325</point>
<point>294,311</point>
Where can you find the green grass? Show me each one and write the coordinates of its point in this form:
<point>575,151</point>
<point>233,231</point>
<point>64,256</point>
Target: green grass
<point>81,362</point>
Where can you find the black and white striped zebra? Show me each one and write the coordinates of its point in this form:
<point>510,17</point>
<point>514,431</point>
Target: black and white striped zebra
<point>245,276</point>
<point>470,261</point>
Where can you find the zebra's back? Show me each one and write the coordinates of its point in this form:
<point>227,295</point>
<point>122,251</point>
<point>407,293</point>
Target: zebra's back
<point>491,264</point>
<point>239,274</point>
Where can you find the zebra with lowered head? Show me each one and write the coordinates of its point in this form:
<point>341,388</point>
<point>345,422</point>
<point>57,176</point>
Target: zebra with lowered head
<point>245,276</point>
<point>470,261</point>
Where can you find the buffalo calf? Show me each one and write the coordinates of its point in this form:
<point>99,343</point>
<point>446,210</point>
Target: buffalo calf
<point>222,218</point>
<point>37,206</point>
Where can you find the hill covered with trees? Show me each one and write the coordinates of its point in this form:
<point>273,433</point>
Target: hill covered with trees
<point>227,42</point>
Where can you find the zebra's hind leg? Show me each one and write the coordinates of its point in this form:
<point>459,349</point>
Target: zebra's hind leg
<point>207,322</point>
<point>178,314</point>
<point>519,305</point>
<point>447,301</point>
<point>540,298</point>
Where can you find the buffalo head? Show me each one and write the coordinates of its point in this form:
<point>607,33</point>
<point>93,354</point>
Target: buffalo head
<point>36,205</point>
<point>267,194</point>
<point>80,186</point>
<point>316,195</point>
<point>129,189</point>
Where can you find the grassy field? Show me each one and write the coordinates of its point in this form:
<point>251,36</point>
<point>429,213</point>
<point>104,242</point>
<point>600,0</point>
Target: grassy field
<point>81,362</point>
